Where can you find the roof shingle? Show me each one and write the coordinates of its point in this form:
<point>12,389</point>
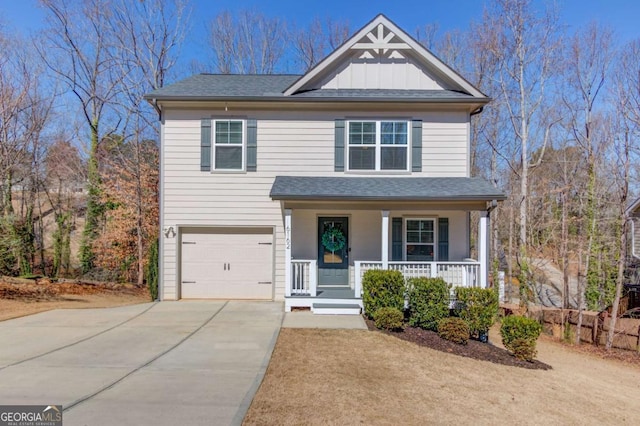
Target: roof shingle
<point>384,188</point>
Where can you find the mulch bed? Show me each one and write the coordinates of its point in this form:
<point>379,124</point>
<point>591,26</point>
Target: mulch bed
<point>473,349</point>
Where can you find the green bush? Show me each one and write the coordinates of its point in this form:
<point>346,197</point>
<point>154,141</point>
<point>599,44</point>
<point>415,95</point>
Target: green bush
<point>455,330</point>
<point>519,335</point>
<point>478,307</point>
<point>428,302</point>
<point>382,289</point>
<point>524,349</point>
<point>151,271</point>
<point>388,318</point>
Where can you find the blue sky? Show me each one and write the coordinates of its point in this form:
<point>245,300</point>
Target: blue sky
<point>623,15</point>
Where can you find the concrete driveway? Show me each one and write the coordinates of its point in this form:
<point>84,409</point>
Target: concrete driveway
<point>187,362</point>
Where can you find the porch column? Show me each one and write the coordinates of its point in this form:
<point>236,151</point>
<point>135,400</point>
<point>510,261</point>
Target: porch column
<point>385,239</point>
<point>287,252</point>
<point>483,248</point>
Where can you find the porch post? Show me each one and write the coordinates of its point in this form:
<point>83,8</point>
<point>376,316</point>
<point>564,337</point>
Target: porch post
<point>385,239</point>
<point>287,252</point>
<point>483,248</point>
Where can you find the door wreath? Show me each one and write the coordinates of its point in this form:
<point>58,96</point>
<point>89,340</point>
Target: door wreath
<point>333,239</point>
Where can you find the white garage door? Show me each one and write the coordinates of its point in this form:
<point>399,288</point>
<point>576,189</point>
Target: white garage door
<point>227,264</point>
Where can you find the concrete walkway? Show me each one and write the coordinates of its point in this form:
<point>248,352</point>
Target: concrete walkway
<point>188,362</point>
<point>306,319</point>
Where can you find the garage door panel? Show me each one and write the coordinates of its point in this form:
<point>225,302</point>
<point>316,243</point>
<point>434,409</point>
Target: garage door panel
<point>227,266</point>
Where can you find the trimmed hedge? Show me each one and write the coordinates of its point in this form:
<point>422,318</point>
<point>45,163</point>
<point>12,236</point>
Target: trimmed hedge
<point>382,289</point>
<point>428,302</point>
<point>519,335</point>
<point>389,318</point>
<point>478,307</point>
<point>454,329</point>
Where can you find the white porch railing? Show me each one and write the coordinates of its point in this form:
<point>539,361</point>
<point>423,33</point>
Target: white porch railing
<point>458,274</point>
<point>304,278</point>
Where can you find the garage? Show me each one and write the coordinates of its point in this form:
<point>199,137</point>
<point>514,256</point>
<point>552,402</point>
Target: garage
<point>226,263</point>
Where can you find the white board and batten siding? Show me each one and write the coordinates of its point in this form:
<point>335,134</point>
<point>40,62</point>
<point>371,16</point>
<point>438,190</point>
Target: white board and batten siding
<point>403,74</point>
<point>288,143</point>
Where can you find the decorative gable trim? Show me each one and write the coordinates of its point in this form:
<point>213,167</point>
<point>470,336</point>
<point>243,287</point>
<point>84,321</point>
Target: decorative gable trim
<point>381,37</point>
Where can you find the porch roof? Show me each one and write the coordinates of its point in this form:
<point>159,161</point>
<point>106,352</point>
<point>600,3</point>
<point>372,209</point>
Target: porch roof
<point>384,188</point>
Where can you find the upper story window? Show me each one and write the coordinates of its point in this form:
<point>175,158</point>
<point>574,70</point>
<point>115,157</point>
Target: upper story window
<point>378,145</point>
<point>228,144</point>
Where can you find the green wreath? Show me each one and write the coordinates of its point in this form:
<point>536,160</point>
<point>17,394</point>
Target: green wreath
<point>333,239</point>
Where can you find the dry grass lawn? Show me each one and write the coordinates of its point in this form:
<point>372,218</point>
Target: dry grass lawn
<point>344,377</point>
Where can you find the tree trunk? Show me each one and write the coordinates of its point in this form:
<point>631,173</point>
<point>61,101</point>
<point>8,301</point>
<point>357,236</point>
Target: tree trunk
<point>619,283</point>
<point>94,207</point>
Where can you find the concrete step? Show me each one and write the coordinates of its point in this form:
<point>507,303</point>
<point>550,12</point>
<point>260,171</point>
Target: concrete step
<point>335,309</point>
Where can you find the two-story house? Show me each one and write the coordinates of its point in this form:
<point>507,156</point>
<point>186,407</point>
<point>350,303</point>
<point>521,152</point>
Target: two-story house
<point>292,186</point>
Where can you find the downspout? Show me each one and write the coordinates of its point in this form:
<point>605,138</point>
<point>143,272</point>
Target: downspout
<point>154,103</point>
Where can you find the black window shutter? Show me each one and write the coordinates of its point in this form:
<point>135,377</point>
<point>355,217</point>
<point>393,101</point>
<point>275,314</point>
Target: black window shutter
<point>396,238</point>
<point>205,145</point>
<point>252,145</point>
<point>443,239</point>
<point>339,146</point>
<point>416,146</point>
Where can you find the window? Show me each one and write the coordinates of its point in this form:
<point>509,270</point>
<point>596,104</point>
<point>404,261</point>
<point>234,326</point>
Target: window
<point>420,240</point>
<point>378,145</point>
<point>228,142</point>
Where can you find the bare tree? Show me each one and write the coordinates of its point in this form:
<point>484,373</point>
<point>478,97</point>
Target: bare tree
<point>627,95</point>
<point>588,60</point>
<point>247,43</point>
<point>318,39</point>
<point>147,39</point>
<point>76,48</point>
<point>526,45</point>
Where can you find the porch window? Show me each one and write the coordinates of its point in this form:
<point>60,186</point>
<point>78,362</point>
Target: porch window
<point>228,141</point>
<point>378,145</point>
<point>420,240</point>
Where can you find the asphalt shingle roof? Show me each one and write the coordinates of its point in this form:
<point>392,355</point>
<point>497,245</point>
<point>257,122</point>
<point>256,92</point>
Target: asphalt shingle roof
<point>226,85</point>
<point>384,188</point>
<point>271,87</point>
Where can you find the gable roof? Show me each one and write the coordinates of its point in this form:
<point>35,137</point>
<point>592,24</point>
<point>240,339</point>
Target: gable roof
<point>407,42</point>
<point>384,188</point>
<point>298,88</point>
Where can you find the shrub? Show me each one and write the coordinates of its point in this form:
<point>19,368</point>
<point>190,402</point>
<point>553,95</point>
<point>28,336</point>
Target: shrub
<point>151,270</point>
<point>519,335</point>
<point>382,289</point>
<point>478,307</point>
<point>455,330</point>
<point>388,318</point>
<point>428,302</point>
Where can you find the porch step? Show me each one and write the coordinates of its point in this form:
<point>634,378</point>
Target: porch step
<point>335,309</point>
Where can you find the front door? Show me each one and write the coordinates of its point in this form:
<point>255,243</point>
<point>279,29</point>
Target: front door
<point>333,251</point>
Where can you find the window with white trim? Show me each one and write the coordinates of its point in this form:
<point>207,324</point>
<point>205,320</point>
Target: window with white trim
<point>378,145</point>
<point>420,240</point>
<point>228,144</point>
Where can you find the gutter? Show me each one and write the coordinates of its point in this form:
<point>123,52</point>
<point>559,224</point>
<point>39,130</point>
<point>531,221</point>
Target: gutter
<point>492,198</point>
<point>154,100</point>
<point>477,111</point>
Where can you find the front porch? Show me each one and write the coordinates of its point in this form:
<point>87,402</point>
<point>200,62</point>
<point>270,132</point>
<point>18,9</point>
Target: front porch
<point>336,229</point>
<point>304,291</point>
